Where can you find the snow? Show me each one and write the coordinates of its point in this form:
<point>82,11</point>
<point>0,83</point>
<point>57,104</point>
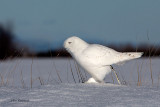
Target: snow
<point>69,94</point>
<point>78,95</point>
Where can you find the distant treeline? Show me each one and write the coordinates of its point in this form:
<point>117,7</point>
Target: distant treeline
<point>149,50</point>
<point>10,49</point>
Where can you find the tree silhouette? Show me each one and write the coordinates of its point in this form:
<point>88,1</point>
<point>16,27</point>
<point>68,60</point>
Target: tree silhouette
<point>7,46</point>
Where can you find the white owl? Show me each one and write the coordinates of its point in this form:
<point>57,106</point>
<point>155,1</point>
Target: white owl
<point>96,59</point>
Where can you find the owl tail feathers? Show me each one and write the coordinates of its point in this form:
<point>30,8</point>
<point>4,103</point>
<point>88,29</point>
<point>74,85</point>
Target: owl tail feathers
<point>134,55</point>
<point>128,56</point>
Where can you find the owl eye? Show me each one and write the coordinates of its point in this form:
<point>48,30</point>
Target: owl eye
<point>69,42</point>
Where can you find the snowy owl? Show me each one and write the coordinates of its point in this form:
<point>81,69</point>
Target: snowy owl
<point>96,59</point>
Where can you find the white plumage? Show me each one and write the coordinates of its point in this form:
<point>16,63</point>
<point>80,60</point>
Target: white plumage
<point>96,59</point>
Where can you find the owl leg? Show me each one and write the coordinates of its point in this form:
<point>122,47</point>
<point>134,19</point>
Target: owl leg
<point>91,80</point>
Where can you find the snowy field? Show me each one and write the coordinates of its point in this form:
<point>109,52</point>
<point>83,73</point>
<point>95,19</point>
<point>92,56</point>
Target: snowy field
<point>58,82</point>
<point>80,95</point>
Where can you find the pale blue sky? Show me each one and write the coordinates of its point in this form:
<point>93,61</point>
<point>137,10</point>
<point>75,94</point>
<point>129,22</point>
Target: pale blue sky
<point>41,22</point>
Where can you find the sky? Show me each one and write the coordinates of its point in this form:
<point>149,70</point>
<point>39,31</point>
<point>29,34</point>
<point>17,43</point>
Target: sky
<point>43,24</point>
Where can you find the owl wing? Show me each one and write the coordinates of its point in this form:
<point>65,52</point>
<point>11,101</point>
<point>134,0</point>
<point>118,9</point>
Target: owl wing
<point>100,55</point>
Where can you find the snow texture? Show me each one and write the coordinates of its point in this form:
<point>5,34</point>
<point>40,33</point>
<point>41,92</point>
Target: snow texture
<point>68,94</point>
<point>80,95</point>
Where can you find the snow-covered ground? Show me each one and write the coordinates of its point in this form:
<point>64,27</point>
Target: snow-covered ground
<point>57,82</point>
<point>80,95</point>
